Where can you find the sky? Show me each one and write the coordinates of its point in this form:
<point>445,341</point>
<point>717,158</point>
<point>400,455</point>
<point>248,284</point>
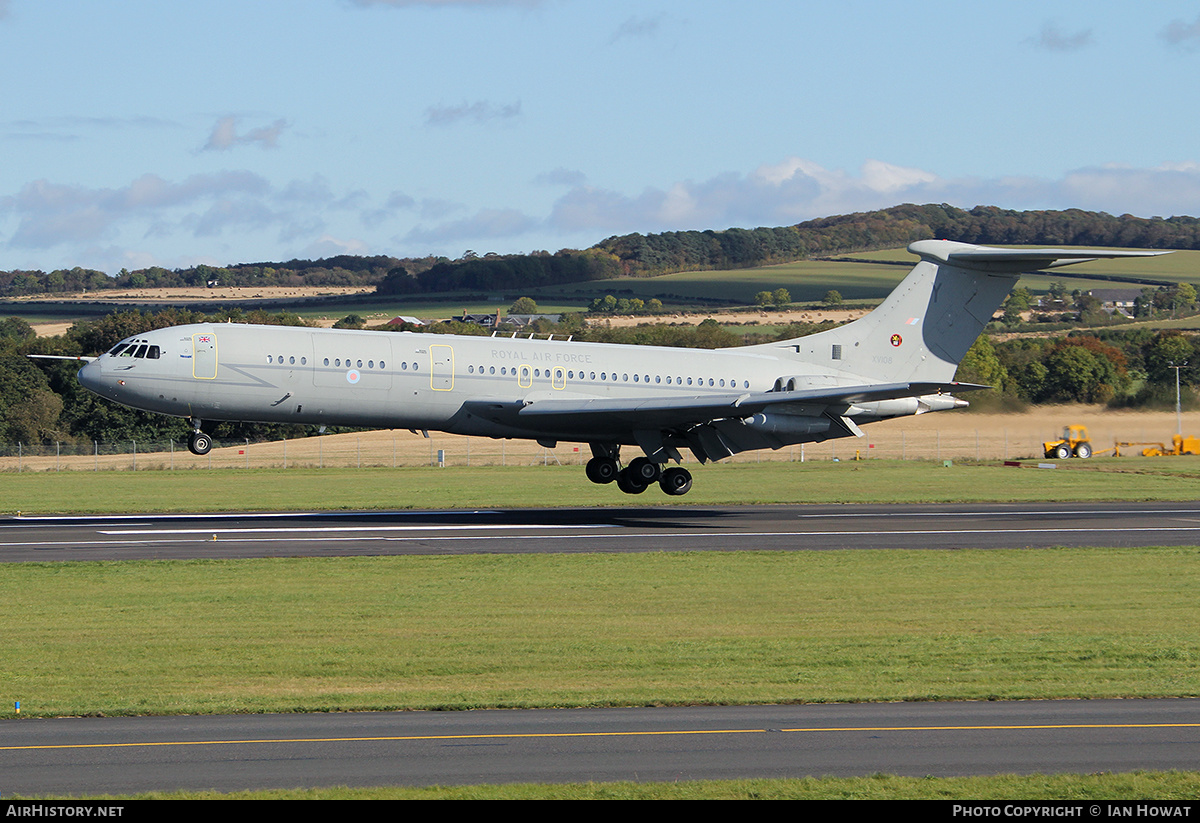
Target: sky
<point>148,133</point>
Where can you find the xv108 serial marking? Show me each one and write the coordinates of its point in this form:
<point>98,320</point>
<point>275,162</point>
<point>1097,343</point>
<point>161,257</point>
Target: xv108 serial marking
<point>898,360</point>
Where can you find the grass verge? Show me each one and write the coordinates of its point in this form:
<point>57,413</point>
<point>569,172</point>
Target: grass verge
<point>314,634</point>
<point>1170,785</point>
<point>868,481</point>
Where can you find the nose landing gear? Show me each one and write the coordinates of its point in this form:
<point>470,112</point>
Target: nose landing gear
<point>199,443</point>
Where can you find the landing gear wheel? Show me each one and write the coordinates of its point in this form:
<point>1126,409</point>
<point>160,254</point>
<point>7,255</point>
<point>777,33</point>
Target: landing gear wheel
<point>602,470</point>
<point>645,470</point>
<point>199,443</point>
<point>1083,450</point>
<point>676,481</point>
<point>629,482</point>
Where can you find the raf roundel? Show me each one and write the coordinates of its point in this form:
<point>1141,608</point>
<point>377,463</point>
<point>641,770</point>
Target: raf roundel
<point>897,340</point>
<point>352,376</point>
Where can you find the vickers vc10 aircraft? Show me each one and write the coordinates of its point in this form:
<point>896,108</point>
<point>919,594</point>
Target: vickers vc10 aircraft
<point>898,360</point>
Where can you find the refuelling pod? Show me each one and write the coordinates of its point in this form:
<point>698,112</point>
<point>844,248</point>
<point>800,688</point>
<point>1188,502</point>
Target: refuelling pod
<point>788,424</point>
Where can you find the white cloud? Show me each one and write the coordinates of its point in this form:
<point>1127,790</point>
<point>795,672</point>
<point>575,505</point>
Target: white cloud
<point>486,224</point>
<point>638,27</point>
<point>224,135</point>
<point>797,189</point>
<point>1179,33</point>
<point>52,214</point>
<point>447,3</point>
<point>329,246</point>
<point>480,111</point>
<point>1052,38</point>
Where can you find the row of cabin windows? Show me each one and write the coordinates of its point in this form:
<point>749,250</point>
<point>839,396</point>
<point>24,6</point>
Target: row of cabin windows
<point>611,377</point>
<point>337,362</point>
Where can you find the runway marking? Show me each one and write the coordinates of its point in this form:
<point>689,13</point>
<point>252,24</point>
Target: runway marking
<point>1056,513</point>
<point>626,532</point>
<point>327,529</point>
<point>31,518</point>
<point>556,735</point>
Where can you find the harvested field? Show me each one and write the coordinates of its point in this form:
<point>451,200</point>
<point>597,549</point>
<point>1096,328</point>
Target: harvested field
<point>937,436</point>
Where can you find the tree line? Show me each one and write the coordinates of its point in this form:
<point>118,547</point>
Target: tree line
<point>650,254</point>
<point>1120,368</point>
<point>41,402</point>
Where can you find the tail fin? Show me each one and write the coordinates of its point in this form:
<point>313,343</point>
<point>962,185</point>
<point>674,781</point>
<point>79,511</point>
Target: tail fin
<point>925,326</point>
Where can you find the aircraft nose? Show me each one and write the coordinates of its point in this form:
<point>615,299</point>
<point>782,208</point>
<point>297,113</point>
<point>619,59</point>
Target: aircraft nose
<point>89,377</point>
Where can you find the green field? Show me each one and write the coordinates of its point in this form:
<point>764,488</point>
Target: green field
<point>552,630</point>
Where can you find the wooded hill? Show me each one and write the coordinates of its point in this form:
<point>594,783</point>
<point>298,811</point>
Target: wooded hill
<point>644,255</point>
<point>891,228</point>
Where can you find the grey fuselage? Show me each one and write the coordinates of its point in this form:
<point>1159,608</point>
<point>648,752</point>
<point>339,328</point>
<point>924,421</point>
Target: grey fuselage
<point>459,384</point>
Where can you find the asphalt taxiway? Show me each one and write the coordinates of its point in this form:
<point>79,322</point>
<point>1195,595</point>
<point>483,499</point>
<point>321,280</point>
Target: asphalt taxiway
<point>136,754</point>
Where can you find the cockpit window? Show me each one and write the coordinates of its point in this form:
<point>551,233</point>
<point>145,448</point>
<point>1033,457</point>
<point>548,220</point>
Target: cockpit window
<point>141,351</point>
<point>152,353</point>
<point>116,349</point>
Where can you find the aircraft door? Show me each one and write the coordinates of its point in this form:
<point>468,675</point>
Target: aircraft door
<point>204,356</point>
<point>524,376</point>
<point>441,362</point>
<point>559,378</point>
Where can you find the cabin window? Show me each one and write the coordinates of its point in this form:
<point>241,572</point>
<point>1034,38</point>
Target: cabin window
<point>326,361</point>
<point>292,360</point>
<point>404,366</point>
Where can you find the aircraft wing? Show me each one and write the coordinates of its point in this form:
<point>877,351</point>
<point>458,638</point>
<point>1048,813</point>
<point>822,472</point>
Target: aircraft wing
<point>683,412</point>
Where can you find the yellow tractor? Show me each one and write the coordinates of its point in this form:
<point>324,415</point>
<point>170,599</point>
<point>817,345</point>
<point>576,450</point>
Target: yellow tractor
<point>1074,442</point>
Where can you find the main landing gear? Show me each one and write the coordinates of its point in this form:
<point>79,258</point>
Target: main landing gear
<point>635,478</point>
<point>199,443</point>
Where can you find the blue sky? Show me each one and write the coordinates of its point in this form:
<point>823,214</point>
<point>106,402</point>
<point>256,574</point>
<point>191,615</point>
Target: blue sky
<point>165,133</point>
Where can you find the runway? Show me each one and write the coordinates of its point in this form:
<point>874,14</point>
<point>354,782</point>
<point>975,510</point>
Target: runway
<point>683,528</point>
<point>126,755</point>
